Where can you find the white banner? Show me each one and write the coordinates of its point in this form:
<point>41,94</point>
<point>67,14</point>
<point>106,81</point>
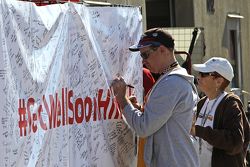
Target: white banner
<point>56,64</point>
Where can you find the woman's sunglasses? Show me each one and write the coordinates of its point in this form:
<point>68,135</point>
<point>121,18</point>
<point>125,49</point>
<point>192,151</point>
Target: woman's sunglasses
<point>205,74</point>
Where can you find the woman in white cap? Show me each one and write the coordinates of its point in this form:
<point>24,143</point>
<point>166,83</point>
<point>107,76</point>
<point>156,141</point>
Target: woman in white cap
<point>221,128</point>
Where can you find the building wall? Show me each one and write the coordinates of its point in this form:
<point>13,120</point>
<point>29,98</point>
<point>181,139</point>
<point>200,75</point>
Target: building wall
<point>215,26</point>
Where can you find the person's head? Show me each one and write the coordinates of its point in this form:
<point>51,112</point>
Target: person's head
<point>157,49</point>
<point>214,75</point>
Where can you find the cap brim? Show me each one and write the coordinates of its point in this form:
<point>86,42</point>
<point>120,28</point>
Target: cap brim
<point>136,48</point>
<point>202,68</point>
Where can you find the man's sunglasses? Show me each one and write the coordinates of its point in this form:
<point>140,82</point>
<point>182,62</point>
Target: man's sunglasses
<point>205,74</point>
<point>146,54</point>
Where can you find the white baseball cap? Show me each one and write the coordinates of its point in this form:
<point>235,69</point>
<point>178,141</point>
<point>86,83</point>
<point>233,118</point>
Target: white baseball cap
<point>216,64</point>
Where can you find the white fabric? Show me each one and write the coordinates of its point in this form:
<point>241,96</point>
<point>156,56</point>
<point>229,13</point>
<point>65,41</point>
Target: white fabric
<point>56,63</point>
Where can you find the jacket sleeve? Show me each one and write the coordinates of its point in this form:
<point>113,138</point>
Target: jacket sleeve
<point>168,95</point>
<point>228,134</point>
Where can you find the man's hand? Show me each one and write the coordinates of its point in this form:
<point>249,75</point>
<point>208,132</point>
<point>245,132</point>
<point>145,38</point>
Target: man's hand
<point>119,89</point>
<point>134,102</point>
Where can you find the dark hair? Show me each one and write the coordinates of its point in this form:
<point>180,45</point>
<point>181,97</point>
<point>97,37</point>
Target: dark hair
<point>225,82</point>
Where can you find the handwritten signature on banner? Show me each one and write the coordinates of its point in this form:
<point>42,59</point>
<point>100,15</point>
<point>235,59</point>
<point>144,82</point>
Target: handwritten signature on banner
<point>56,64</point>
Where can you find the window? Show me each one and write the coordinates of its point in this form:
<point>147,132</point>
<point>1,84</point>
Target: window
<point>210,7</point>
<point>234,57</point>
<point>169,13</point>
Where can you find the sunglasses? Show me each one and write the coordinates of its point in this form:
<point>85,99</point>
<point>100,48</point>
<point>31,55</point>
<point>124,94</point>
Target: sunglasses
<point>205,74</point>
<point>146,54</point>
